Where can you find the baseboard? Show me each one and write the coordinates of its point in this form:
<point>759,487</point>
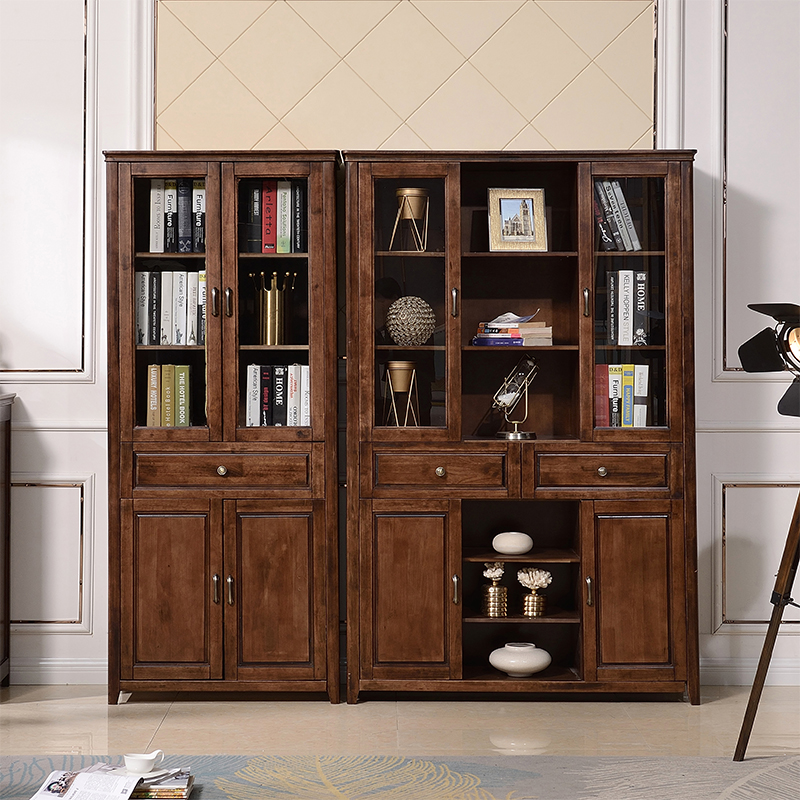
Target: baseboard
<point>44,671</point>
<point>741,671</point>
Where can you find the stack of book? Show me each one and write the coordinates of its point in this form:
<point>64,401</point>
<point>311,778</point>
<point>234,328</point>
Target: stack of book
<point>628,310</point>
<point>170,308</point>
<point>177,215</point>
<point>168,393</point>
<point>511,330</point>
<point>621,395</point>
<point>172,786</point>
<point>274,216</point>
<point>278,395</point>
<point>613,217</point>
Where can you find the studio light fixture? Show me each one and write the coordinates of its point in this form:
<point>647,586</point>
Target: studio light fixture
<point>777,349</point>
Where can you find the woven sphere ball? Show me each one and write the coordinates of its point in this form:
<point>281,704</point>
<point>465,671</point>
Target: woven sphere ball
<point>410,321</point>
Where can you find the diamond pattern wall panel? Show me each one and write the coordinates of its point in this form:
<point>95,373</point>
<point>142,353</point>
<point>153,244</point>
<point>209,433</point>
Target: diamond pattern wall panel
<point>404,74</point>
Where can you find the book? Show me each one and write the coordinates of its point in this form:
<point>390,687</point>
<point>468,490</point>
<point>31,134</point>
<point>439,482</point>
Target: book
<point>182,396</point>
<point>627,396</point>
<point>602,198</point>
<point>299,217</point>
<point>601,417</point>
<point>612,296</point>
<point>201,307</point>
<point>156,215</point>
<point>154,309</point>
<point>641,375</point>
<point>184,215</point>
<point>251,227</point>
<point>626,215</point>
<point>605,239</point>
<point>107,783</point>
<point>179,307</point>
<point>617,214</point>
<point>615,395</point>
<point>198,216</point>
<point>269,228</point>
<point>178,786</point>
<point>505,341</point>
<point>153,419</point>
<point>142,288</point>
<point>167,395</point>
<point>305,395</point>
<point>284,217</point>
<point>165,330</point>
<point>252,397</point>
<point>293,378</point>
<point>170,216</point>
<point>279,395</point>
<point>192,319</point>
<point>265,395</point>
<point>625,308</point>
<point>641,316</point>
<point>78,784</point>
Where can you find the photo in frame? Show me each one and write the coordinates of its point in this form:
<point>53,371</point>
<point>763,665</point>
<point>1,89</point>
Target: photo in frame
<point>517,220</point>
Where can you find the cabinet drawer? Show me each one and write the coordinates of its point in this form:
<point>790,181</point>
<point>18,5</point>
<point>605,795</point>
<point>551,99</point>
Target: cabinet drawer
<point>440,470</point>
<point>598,470</point>
<point>223,470</point>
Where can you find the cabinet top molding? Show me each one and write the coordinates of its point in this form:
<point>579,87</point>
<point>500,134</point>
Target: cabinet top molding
<point>518,155</point>
<point>220,155</point>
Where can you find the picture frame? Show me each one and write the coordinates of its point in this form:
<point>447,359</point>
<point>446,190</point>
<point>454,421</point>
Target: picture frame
<point>517,220</point>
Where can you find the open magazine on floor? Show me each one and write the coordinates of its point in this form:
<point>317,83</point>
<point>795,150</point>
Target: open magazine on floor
<point>103,781</point>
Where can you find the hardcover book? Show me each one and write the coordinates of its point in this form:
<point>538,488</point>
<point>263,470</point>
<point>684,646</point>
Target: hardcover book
<point>299,218</point>
<point>166,332</point>
<point>142,307</point>
<point>157,215</point>
<point>627,395</point>
<point>192,288</point>
<point>305,395</point>
<point>284,232</point>
<point>153,395</point>
<point>641,312</point>
<point>612,298</point>
<point>293,379</point>
<point>171,216</point>
<point>198,216</point>
<point>626,215</point>
<point>615,395</point>
<point>265,384</point>
<point>253,399</point>
<point>608,214</point>
<point>269,210</point>
<point>182,396</point>
<point>625,308</point>
<point>167,395</point>
<point>605,239</point>
<point>184,215</point>
<point>279,395</point>
<point>251,227</point>
<point>617,214</point>
<point>641,381</point>
<point>601,396</point>
<point>179,307</point>
<point>154,309</point>
<point>201,307</point>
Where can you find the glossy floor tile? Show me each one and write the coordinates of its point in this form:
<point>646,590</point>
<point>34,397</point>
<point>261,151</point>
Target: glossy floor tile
<point>76,719</point>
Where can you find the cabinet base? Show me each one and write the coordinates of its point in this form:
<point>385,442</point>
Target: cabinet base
<point>228,687</point>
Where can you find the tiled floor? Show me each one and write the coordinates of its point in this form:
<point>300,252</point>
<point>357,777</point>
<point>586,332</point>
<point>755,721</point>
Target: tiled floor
<point>76,719</point>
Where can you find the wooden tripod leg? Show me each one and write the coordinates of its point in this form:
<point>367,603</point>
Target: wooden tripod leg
<point>781,595</point>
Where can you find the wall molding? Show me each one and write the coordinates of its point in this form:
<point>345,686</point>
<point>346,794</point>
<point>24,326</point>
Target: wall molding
<point>44,671</point>
<point>741,671</point>
<point>669,78</point>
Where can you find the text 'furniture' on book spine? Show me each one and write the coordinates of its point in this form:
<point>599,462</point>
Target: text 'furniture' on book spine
<point>198,216</point>
<point>615,395</point>
<point>171,215</point>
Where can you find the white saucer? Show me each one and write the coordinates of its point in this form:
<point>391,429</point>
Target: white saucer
<point>155,773</point>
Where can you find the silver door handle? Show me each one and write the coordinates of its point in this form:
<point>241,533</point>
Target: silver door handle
<point>454,295</point>
<point>586,310</point>
<point>455,589</point>
<point>229,302</point>
<point>215,302</point>
<point>589,592</point>
<point>215,583</point>
<point>230,590</point>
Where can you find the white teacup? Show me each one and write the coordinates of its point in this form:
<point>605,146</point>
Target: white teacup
<point>142,763</point>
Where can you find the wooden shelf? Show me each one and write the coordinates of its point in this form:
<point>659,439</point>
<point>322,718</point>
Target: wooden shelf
<point>534,556</point>
<point>552,616</point>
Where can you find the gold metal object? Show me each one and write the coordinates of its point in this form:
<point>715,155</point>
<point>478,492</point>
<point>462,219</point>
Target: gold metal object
<point>272,303</point>
<point>455,589</point>
<point>589,592</point>
<point>533,605</point>
<point>222,470</point>
<point>229,302</point>
<point>412,205</point>
<point>602,472</point>
<point>495,600</point>
<point>215,302</point>
<point>215,583</point>
<point>440,472</point>
<point>514,388</point>
<point>401,402</point>
<point>230,590</point>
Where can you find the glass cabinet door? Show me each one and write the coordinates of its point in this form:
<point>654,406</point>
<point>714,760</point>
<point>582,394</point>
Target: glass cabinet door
<point>175,242</point>
<point>630,326</point>
<point>412,298</point>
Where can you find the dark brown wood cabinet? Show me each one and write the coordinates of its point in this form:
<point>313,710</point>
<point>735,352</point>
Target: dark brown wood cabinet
<point>605,483</point>
<point>222,439</point>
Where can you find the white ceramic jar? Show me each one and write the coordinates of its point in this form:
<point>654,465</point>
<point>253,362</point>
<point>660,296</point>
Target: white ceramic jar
<point>512,543</point>
<point>520,659</point>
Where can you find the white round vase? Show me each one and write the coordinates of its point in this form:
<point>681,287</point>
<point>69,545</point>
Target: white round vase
<point>512,543</point>
<point>519,659</point>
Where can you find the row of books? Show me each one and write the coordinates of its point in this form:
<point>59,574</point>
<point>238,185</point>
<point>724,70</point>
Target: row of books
<point>621,395</point>
<point>177,215</point>
<point>275,217</point>
<point>627,307</point>
<point>513,334</point>
<point>170,307</point>
<point>278,395</point>
<point>168,395</point>
<point>613,217</point>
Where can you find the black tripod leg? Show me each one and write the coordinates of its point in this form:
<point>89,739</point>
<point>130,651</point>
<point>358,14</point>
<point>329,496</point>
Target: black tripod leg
<point>780,596</point>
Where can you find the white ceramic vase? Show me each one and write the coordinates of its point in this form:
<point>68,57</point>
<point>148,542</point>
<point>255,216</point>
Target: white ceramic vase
<point>519,659</point>
<point>512,543</point>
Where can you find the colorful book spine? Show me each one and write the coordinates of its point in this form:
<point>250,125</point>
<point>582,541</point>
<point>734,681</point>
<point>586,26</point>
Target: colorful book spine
<point>142,280</point>
<point>265,395</point>
<point>165,332</point>
<point>167,395</point>
<point>279,395</point>
<point>184,215</point>
<point>640,395</point>
<point>198,216</point>
<point>171,216</point>
<point>305,395</point>
<point>201,307</point>
<point>625,308</point>
<point>153,395</point>
<point>641,315</point>
<point>284,217</point>
<point>269,210</point>
<point>157,215</point>
<point>182,411</point>
<point>615,395</point>
<point>192,286</point>
<point>179,307</point>
<point>507,341</point>
<point>293,395</point>
<point>601,418</point>
<point>627,395</point>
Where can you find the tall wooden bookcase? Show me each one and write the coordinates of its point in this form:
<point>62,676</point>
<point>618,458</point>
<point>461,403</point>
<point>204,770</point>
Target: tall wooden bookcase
<point>610,507</point>
<point>223,546</point>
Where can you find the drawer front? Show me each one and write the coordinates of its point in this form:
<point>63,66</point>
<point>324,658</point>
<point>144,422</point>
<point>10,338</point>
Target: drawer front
<point>603,471</point>
<point>440,470</point>
<point>223,470</point>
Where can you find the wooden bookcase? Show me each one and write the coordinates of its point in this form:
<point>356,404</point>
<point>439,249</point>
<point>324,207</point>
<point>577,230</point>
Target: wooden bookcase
<point>223,547</point>
<point>611,507</point>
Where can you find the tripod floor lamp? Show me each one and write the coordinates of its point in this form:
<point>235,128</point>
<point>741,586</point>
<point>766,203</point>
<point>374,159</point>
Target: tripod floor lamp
<point>775,350</point>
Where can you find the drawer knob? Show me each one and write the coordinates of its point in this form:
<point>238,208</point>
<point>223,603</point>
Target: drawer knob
<point>440,472</point>
<point>602,472</point>
<point>222,470</point>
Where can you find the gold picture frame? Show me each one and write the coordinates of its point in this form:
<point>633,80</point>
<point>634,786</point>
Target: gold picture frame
<point>517,220</point>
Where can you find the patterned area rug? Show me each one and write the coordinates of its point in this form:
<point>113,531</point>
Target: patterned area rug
<point>456,778</point>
